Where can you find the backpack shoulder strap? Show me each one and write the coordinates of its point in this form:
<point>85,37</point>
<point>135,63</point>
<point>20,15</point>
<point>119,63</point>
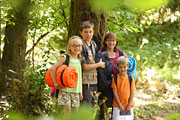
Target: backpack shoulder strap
<point>115,79</point>
<point>120,53</point>
<point>130,80</point>
<point>85,47</point>
<point>94,44</point>
<point>129,77</point>
<point>94,47</point>
<point>67,60</point>
<point>66,63</point>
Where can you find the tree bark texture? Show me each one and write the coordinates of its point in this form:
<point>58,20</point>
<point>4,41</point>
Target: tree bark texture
<point>0,36</point>
<point>80,11</point>
<point>13,59</point>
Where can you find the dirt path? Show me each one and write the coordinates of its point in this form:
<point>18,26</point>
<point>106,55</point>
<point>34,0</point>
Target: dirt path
<point>165,113</point>
<point>148,108</point>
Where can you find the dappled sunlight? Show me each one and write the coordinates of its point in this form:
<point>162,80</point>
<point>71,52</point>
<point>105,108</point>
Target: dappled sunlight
<point>147,30</point>
<point>159,17</point>
<point>144,41</point>
<point>177,76</point>
<point>142,98</point>
<point>149,74</point>
<point>154,95</point>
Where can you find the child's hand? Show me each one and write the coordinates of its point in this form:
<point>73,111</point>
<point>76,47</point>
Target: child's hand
<point>81,96</point>
<point>128,108</point>
<point>101,63</point>
<point>122,109</point>
<point>57,86</point>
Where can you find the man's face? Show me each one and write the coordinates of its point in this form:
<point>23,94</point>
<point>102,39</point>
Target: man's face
<point>87,34</point>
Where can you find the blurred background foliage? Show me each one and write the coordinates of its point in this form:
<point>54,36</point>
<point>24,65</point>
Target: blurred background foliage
<point>147,31</point>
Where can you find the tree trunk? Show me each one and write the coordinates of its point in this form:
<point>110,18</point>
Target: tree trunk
<point>0,36</point>
<point>81,11</point>
<point>13,59</point>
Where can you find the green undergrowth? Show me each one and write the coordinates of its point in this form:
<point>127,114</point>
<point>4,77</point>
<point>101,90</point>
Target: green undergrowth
<point>149,111</point>
<point>175,116</point>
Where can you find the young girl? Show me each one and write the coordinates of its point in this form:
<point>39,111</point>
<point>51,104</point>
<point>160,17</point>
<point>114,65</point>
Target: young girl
<point>110,46</point>
<point>69,98</point>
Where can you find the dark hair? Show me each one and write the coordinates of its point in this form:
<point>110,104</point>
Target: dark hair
<point>107,36</point>
<point>86,24</point>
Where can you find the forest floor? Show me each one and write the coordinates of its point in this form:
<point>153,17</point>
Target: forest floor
<point>154,100</point>
<point>164,113</point>
<point>157,103</point>
<point>154,111</point>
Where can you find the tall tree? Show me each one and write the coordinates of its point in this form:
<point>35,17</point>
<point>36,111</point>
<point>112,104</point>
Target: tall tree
<point>81,10</point>
<point>13,59</point>
<point>0,35</point>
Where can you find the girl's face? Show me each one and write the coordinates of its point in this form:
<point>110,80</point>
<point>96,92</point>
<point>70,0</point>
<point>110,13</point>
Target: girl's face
<point>111,42</point>
<point>76,48</point>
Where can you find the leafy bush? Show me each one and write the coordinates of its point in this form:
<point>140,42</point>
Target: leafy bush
<point>30,96</point>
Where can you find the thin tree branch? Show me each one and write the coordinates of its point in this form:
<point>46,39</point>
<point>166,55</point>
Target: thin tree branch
<point>64,14</point>
<point>42,36</point>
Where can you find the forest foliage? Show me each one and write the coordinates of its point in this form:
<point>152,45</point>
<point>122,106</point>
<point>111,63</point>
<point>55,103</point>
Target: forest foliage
<point>149,33</point>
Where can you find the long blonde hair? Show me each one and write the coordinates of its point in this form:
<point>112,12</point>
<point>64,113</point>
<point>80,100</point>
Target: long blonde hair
<point>74,40</point>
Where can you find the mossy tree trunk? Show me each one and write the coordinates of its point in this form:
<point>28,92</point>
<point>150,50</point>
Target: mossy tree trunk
<point>13,59</point>
<point>81,10</point>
